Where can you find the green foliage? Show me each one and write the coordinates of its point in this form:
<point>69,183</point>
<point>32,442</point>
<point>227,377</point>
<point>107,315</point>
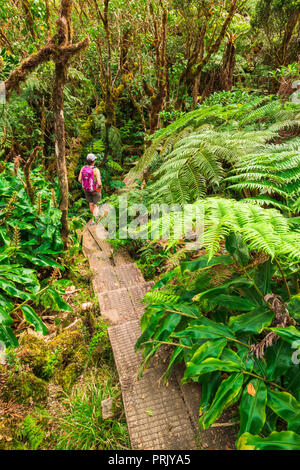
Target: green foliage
<point>291,71</point>
<point>30,240</point>
<point>32,432</point>
<point>226,98</point>
<point>273,174</point>
<point>273,18</point>
<point>215,312</point>
<point>82,427</point>
<point>114,138</point>
<point>194,154</point>
<point>285,440</point>
<point>96,340</point>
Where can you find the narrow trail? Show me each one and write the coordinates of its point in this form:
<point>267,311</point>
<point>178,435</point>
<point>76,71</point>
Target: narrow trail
<point>158,417</point>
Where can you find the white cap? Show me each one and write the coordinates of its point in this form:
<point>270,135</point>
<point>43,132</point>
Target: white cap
<point>91,157</point>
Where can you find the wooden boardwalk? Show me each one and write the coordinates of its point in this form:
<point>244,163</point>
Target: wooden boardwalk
<point>158,417</point>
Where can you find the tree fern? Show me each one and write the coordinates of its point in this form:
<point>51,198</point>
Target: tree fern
<point>265,230</point>
<point>195,153</point>
<point>274,173</point>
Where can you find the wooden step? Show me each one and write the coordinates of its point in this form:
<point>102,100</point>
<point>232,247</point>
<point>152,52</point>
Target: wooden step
<point>157,416</point>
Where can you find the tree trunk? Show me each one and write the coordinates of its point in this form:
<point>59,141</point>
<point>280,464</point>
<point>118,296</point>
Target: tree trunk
<point>159,94</point>
<point>60,49</point>
<point>29,18</point>
<point>191,75</point>
<point>227,68</point>
<point>289,29</point>
<point>59,82</point>
<point>196,89</point>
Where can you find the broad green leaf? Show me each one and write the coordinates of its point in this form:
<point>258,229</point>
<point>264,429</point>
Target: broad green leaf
<point>8,337</point>
<point>289,334</point>
<point>263,277</point>
<point>5,303</point>
<point>10,288</point>
<point>279,359</point>
<point>148,354</point>
<point>30,282</point>
<point>211,293</point>
<point>231,302</point>
<point>251,322</point>
<point>227,394</point>
<point>33,319</point>
<point>287,407</point>
<point>20,224</point>
<point>40,261</point>
<point>209,386</point>
<point>207,330</point>
<point>5,318</point>
<point>237,248</point>
<point>151,327</point>
<point>246,358</point>
<point>230,355</point>
<point>59,302</point>
<point>284,440</point>
<point>177,356</point>
<point>253,407</point>
<point>293,307</point>
<point>270,423</point>
<point>167,326</point>
<point>291,380</point>
<point>229,361</point>
<point>4,236</point>
<point>204,262</point>
<point>165,279</point>
<point>210,349</point>
<point>190,310</point>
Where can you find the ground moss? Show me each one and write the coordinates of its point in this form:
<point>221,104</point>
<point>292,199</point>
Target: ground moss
<point>69,376</point>
<point>70,343</point>
<point>33,352</point>
<point>73,358</point>
<point>25,387</point>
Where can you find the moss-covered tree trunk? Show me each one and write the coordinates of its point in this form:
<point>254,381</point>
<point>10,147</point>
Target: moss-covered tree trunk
<point>158,93</point>
<point>60,76</point>
<point>66,49</point>
<point>228,65</point>
<point>190,77</point>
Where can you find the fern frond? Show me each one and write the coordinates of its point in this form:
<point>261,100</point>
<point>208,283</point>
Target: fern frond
<point>195,153</point>
<point>162,296</point>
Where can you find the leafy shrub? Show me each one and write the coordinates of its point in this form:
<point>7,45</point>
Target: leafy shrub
<point>232,316</point>
<point>82,428</point>
<point>30,241</point>
<point>193,155</point>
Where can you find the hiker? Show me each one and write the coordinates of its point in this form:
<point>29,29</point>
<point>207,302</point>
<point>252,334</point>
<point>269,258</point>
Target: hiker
<point>90,179</point>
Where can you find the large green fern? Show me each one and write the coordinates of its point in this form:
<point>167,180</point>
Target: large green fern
<point>193,155</point>
<point>272,175</point>
<point>263,230</point>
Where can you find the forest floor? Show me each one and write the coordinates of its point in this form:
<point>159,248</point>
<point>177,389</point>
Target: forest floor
<point>52,387</point>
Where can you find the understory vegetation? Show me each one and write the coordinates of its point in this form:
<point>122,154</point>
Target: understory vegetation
<point>183,103</point>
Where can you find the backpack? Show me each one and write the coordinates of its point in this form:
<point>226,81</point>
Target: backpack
<point>88,179</point>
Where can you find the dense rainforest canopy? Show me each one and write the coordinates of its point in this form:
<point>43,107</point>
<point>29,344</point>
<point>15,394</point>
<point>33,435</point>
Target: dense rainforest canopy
<point>183,102</point>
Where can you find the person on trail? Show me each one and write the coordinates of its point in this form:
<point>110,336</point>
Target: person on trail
<point>90,179</point>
